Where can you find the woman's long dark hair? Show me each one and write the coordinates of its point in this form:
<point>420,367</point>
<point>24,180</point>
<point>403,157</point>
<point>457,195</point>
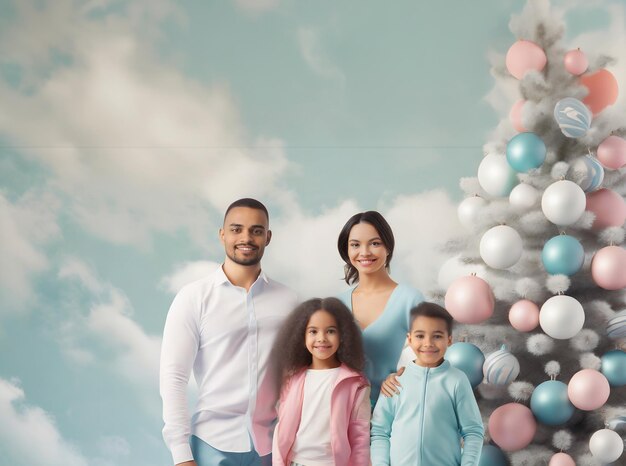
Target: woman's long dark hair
<point>351,275</point>
<point>290,354</point>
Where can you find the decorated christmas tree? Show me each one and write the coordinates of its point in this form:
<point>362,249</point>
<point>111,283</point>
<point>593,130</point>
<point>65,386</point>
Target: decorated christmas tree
<point>536,282</point>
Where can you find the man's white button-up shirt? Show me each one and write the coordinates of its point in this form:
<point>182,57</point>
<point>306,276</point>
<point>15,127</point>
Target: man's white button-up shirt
<point>225,334</point>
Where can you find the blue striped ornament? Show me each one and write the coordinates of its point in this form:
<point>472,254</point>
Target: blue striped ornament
<point>590,173</point>
<point>501,367</point>
<point>616,328</point>
<point>573,117</point>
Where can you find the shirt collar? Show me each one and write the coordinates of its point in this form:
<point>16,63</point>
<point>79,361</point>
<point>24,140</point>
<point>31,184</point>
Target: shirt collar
<point>221,278</point>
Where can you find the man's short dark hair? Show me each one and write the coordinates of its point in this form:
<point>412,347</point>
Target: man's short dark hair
<point>248,202</point>
<point>427,309</point>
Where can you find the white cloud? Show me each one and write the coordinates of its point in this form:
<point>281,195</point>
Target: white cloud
<point>107,321</point>
<point>313,54</point>
<point>144,149</point>
<point>26,226</point>
<point>29,433</point>
<point>186,273</point>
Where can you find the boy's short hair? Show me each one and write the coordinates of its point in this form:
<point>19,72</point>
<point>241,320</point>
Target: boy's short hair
<point>433,310</point>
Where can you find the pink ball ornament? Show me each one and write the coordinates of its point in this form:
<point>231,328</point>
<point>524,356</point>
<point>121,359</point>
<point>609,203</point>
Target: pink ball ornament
<point>588,389</point>
<point>469,300</point>
<point>608,268</point>
<point>608,207</point>
<point>561,459</point>
<point>524,315</point>
<point>576,62</point>
<point>515,115</point>
<point>524,56</point>
<point>612,152</point>
<point>603,90</point>
<point>512,426</point>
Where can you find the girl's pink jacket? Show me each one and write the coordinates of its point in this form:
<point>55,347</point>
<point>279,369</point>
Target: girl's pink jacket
<point>349,425</point>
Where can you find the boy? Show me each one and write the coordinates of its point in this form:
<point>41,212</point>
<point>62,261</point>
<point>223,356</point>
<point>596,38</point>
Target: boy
<point>424,424</point>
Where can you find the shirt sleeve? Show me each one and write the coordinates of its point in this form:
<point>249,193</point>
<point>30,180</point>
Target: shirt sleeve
<point>470,423</point>
<point>382,420</point>
<point>181,337</point>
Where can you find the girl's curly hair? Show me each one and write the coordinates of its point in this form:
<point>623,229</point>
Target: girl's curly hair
<point>290,355</point>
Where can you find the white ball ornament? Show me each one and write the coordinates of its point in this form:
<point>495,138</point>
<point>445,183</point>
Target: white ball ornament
<point>523,196</point>
<point>606,446</point>
<point>501,247</point>
<point>496,176</point>
<point>469,209</point>
<point>561,317</point>
<point>501,367</point>
<point>563,202</point>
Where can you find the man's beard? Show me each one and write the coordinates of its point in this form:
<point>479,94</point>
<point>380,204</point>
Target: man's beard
<point>246,262</point>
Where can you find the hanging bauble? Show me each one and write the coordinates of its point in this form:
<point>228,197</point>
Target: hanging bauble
<point>470,300</point>
<point>501,367</point>
<point>576,62</point>
<point>550,404</point>
<point>608,268</point>
<point>614,367</point>
<point>589,173</point>
<point>524,315</point>
<point>608,207</point>
<point>588,389</point>
<point>616,326</point>
<point>524,56</point>
<point>492,456</point>
<point>573,117</point>
<point>603,90</point>
<point>562,255</point>
<point>515,115</point>
<point>496,176</point>
<point>563,202</point>
<point>561,459</point>
<point>512,426</point>
<point>606,446</point>
<point>525,152</point>
<point>561,317</point>
<point>501,247</point>
<point>469,210</point>
<point>467,358</point>
<point>612,152</point>
<point>523,196</point>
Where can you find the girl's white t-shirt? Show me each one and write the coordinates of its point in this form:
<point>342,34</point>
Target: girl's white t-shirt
<point>312,446</point>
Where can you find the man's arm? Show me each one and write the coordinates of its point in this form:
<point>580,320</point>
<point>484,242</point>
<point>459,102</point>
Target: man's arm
<point>470,424</point>
<point>181,338</point>
<point>382,420</point>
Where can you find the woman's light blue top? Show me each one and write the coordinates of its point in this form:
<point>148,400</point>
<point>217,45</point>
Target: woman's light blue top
<point>384,338</point>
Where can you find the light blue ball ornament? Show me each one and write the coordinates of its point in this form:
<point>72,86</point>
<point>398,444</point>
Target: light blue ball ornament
<point>525,151</point>
<point>614,367</point>
<point>467,358</point>
<point>550,404</point>
<point>501,367</point>
<point>563,255</point>
<point>492,456</point>
<point>616,327</point>
<point>588,173</point>
<point>573,117</point>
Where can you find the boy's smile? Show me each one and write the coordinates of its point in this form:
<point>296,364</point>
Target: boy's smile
<point>429,339</point>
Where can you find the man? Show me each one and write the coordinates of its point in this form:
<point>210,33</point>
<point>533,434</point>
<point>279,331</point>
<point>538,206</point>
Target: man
<point>223,326</point>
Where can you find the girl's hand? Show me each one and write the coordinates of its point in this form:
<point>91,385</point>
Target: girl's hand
<point>390,386</point>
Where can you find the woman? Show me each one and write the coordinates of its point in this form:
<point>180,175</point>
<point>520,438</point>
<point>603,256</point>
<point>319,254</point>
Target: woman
<point>379,304</point>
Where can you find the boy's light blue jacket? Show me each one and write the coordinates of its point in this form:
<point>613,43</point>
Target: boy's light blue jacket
<point>424,424</point>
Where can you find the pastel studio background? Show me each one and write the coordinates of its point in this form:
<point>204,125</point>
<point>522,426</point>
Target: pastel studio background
<point>126,128</point>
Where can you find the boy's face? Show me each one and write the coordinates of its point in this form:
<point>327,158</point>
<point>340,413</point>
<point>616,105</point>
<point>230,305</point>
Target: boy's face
<point>429,339</point>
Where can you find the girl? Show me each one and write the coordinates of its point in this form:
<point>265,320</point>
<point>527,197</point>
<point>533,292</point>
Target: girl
<point>379,304</point>
<point>324,410</point>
